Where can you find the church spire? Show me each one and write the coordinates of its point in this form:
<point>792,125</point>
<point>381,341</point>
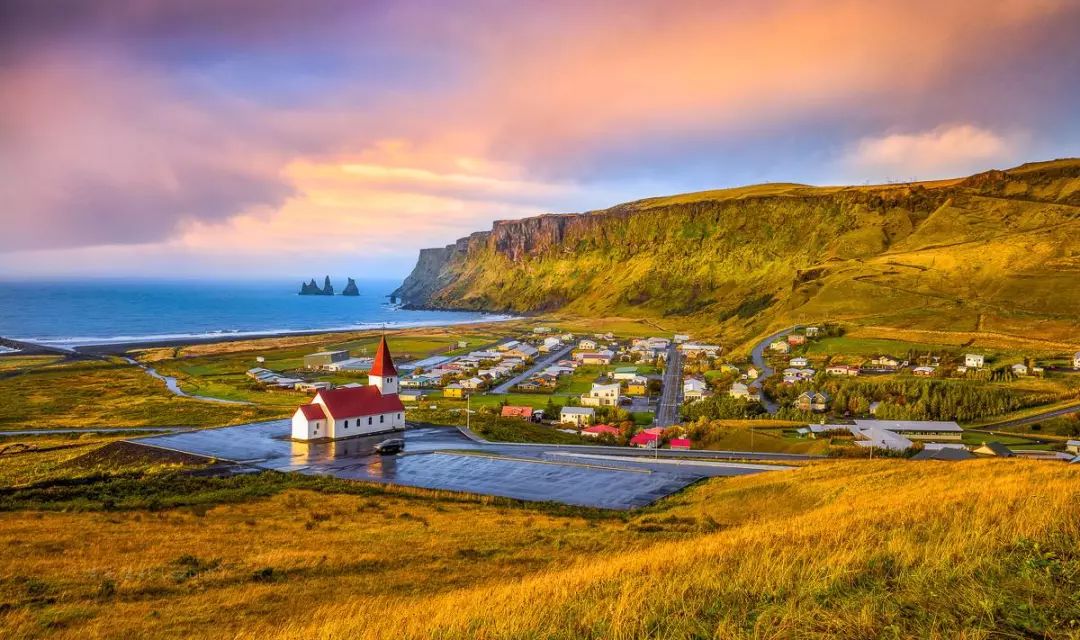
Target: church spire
<point>384,363</point>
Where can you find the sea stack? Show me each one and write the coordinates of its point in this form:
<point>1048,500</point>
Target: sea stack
<point>312,289</point>
<point>351,289</point>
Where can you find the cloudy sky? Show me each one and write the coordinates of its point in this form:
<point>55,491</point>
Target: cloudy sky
<point>264,138</point>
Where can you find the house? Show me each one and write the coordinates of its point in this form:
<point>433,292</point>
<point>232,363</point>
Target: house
<point>694,389</point>
<point>550,344</point>
<point>639,386</point>
<point>645,440</point>
<point>579,416</point>
<point>587,345</point>
<point>1073,447</point>
<point>924,372</point>
<point>842,370</point>
<point>625,373</point>
<point>779,346</point>
<point>917,429</point>
<point>453,390</point>
<point>813,332</point>
<point>419,381</point>
<point>994,449</point>
<point>541,330</point>
<point>595,358</point>
<point>1037,371</point>
<point>799,362</point>
<point>1019,369</point>
<point>680,338</point>
<point>1076,360</point>
<point>739,390</point>
<point>599,430</point>
<point>812,401</point>
<point>602,395</point>
<point>943,454</point>
<point>523,351</point>
<point>472,384</point>
<point>342,413</point>
<point>884,363</point>
<point>796,339</point>
<point>752,373</point>
<point>974,360</point>
<point>323,358</point>
<point>522,413</point>
<point>693,350</point>
<point>874,407</point>
<point>682,444</point>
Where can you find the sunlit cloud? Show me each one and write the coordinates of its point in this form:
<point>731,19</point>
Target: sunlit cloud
<point>950,150</point>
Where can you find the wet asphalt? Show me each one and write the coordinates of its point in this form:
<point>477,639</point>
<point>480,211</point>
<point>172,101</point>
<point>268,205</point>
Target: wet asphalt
<point>445,458</point>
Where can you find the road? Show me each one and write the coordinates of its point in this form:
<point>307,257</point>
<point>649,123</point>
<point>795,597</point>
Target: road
<point>667,412</point>
<point>1016,422</point>
<point>540,365</point>
<point>757,356</point>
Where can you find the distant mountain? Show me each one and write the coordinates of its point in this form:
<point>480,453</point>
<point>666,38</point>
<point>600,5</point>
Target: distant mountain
<point>998,251</point>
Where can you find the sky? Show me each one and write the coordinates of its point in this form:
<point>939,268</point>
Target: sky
<point>263,138</point>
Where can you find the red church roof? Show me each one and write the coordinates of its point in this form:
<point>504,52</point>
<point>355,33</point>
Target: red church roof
<point>313,411</point>
<point>359,401</point>
<point>384,364</point>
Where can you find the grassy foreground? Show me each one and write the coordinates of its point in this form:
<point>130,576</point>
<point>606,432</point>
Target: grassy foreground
<point>890,548</point>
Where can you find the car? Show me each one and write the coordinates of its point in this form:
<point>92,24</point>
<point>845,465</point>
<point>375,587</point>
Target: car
<point>390,447</point>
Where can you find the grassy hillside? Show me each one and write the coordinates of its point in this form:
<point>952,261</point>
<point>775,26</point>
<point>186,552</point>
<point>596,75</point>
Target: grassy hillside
<point>997,253</point>
<point>849,548</point>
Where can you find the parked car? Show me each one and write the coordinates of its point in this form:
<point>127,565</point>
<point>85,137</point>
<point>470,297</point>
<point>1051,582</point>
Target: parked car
<point>390,447</point>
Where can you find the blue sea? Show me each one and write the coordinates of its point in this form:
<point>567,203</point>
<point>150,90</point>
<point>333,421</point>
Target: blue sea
<point>84,312</point>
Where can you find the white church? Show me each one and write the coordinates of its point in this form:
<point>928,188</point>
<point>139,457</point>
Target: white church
<point>334,414</point>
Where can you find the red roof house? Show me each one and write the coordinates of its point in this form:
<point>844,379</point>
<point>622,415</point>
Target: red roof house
<point>525,413</point>
<point>596,431</point>
<point>680,443</point>
<point>645,440</point>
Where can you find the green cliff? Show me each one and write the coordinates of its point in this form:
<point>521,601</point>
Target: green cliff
<point>999,251</point>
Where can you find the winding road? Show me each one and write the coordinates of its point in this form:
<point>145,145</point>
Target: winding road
<point>757,356</point>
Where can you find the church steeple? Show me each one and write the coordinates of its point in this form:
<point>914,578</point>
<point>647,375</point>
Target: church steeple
<point>383,374</point>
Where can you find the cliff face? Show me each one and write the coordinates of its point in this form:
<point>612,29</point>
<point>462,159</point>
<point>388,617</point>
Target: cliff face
<point>740,257</point>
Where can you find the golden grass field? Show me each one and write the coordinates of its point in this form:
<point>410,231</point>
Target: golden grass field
<point>844,548</point>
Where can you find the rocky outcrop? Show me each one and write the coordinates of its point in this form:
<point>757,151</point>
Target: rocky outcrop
<point>312,289</point>
<point>351,289</point>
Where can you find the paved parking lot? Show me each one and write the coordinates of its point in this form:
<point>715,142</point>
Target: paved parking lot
<point>445,458</point>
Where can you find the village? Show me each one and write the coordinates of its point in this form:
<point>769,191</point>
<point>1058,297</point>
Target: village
<point>800,387</point>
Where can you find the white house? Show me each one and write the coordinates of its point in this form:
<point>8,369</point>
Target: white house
<point>799,362</point>
<point>1076,360</point>
<point>587,345</point>
<point>779,346</point>
<point>343,413</point>
<point>625,373</point>
<point>602,395</point>
<point>1020,369</point>
<point>739,390</point>
<point>693,389</point>
<point>974,360</point>
<point>579,416</point>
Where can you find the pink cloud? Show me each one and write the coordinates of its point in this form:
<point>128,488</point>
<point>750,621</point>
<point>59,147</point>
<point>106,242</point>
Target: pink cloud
<point>945,151</point>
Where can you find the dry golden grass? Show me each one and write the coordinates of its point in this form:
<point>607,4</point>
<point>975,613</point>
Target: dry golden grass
<point>886,549</point>
<point>890,548</point>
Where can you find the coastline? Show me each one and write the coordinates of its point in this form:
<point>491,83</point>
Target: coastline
<point>120,346</point>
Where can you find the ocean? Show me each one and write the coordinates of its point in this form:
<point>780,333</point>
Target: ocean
<point>84,312</point>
